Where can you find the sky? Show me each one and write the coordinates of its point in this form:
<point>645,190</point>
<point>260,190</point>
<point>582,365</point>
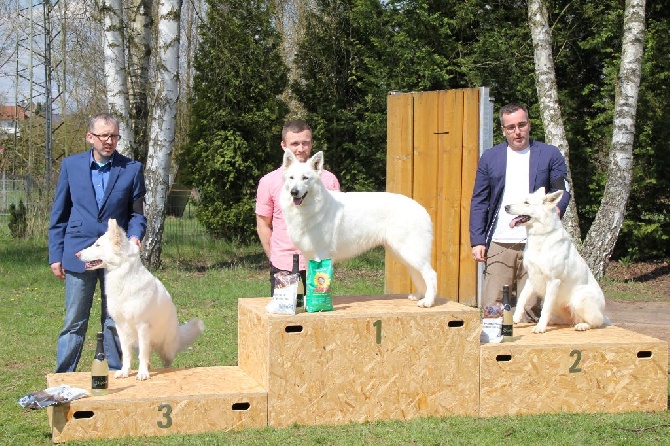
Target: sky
<point>15,26</point>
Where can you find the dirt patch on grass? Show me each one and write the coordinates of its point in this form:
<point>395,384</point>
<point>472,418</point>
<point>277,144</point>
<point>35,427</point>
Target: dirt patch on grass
<point>648,283</point>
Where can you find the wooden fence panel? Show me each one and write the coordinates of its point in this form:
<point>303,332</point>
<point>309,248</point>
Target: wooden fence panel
<point>437,134</point>
<point>399,174</point>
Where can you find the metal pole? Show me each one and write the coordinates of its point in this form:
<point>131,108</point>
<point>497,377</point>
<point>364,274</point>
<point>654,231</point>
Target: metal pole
<point>47,89</point>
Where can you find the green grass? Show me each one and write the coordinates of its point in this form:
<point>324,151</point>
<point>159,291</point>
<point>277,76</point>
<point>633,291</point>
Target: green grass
<point>205,279</point>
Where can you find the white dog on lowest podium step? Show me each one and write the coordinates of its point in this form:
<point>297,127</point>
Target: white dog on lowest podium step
<point>555,268</point>
<point>338,225</point>
<point>141,307</point>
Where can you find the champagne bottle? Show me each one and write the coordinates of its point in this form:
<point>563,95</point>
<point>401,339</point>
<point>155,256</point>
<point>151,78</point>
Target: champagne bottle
<point>99,369</point>
<point>508,324</point>
<point>300,302</point>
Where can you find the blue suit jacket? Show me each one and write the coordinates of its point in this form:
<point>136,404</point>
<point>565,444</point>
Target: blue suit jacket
<point>76,222</point>
<point>547,169</point>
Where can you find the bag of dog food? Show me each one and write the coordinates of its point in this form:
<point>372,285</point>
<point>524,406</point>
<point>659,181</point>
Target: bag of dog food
<point>319,294</point>
<point>285,295</point>
<point>492,322</point>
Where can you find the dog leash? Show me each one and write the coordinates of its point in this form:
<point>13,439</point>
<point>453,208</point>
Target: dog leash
<point>508,248</point>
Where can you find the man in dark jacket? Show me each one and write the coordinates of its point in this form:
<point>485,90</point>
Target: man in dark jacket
<point>506,174</point>
<point>93,187</point>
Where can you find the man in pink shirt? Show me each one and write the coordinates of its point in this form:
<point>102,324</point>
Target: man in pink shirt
<point>270,223</point>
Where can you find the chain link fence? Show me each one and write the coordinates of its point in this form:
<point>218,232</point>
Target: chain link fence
<point>180,221</point>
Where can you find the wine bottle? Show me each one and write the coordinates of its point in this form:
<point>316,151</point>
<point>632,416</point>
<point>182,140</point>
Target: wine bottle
<point>100,369</point>
<point>508,324</point>
<point>300,301</point>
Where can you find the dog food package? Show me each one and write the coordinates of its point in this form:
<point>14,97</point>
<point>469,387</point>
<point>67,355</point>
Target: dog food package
<point>319,293</point>
<point>492,322</point>
<point>285,295</point>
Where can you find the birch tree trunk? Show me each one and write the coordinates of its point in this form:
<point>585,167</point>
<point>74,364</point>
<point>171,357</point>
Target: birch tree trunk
<point>162,134</point>
<point>139,55</point>
<point>547,93</point>
<point>115,71</point>
<point>602,235</point>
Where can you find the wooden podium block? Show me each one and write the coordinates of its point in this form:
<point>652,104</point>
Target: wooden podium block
<point>371,358</point>
<point>172,401</point>
<point>606,370</point>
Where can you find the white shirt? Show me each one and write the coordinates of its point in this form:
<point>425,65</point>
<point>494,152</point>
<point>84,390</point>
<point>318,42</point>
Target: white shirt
<point>516,190</point>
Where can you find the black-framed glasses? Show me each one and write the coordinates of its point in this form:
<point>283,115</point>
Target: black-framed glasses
<point>510,128</point>
<point>107,137</point>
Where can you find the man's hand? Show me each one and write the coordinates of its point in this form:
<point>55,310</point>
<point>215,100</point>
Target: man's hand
<point>57,269</point>
<point>479,253</point>
<point>136,241</point>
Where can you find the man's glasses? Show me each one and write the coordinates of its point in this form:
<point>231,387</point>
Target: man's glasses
<point>107,137</point>
<point>510,128</point>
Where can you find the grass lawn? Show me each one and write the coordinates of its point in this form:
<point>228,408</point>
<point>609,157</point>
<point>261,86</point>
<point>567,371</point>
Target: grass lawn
<point>205,279</point>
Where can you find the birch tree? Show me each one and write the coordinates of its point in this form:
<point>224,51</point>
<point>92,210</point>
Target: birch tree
<point>115,71</point>
<point>163,121</point>
<point>139,58</point>
<point>602,235</point>
<point>547,92</point>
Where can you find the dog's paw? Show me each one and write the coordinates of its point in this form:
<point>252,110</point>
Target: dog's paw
<point>123,373</point>
<point>142,375</point>
<point>539,328</point>
<point>425,303</point>
<point>413,297</point>
<point>583,326</point>
<point>518,315</point>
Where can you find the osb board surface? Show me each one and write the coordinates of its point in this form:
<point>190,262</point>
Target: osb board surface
<point>566,335</point>
<point>196,381</point>
<point>172,401</point>
<point>252,339</point>
<point>348,306</point>
<point>372,358</point>
<point>568,371</point>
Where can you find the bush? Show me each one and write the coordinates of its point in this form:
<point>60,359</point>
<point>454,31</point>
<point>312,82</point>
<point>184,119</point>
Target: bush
<point>18,224</point>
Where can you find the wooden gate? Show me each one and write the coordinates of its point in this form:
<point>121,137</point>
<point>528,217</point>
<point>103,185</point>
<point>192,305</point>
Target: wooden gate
<point>433,146</point>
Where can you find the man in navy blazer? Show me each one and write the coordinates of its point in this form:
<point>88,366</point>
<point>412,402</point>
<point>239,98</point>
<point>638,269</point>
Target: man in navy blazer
<point>93,187</point>
<point>506,174</point>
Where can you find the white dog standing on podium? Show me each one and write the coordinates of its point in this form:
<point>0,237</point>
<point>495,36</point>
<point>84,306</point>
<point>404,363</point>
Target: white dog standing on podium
<point>338,225</point>
<point>555,268</point>
<point>141,307</point>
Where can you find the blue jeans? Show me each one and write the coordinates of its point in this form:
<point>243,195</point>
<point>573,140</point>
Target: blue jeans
<point>79,291</point>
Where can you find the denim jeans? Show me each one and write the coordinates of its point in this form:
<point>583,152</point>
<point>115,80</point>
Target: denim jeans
<point>79,291</point>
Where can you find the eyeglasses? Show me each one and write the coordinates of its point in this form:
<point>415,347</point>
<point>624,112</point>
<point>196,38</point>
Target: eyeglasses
<point>107,137</point>
<point>510,128</point>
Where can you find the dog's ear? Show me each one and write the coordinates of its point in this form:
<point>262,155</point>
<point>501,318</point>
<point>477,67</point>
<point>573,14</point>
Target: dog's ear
<point>317,161</point>
<point>289,158</point>
<point>553,198</point>
<point>116,234</point>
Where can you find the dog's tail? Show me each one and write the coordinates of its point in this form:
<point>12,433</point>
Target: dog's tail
<point>188,333</point>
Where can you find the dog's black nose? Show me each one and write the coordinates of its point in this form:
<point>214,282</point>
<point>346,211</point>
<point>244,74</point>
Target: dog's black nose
<point>507,208</point>
<point>294,192</point>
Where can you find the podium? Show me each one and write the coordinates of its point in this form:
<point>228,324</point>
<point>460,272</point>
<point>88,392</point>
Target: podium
<point>605,370</point>
<point>375,358</point>
<point>371,358</point>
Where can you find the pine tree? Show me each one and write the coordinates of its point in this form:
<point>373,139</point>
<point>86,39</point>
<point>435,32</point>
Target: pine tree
<point>237,114</point>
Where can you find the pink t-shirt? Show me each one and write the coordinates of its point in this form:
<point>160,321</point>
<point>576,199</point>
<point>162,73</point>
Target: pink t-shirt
<point>267,204</point>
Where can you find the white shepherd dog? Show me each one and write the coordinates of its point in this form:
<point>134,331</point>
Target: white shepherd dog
<point>324,224</point>
<point>138,302</point>
<point>555,268</point>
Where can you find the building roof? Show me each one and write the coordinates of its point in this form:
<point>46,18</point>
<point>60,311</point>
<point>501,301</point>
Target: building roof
<point>8,112</point>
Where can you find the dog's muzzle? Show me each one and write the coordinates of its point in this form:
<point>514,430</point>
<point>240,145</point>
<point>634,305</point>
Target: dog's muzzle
<point>296,199</point>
